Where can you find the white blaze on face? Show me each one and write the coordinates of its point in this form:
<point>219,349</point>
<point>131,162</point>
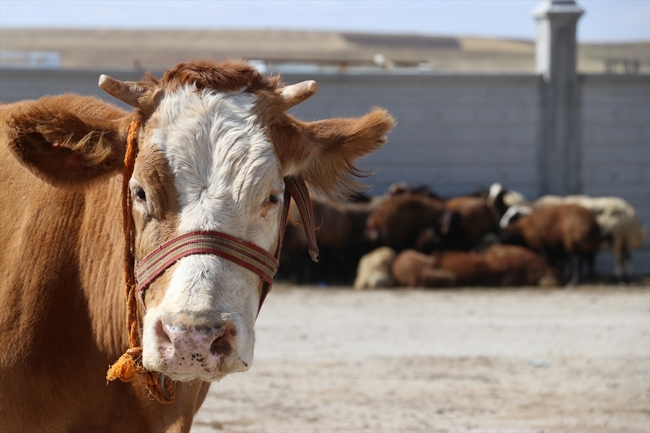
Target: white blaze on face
<point>224,167</point>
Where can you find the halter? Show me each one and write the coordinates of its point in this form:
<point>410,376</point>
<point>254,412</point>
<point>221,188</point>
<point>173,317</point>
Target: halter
<point>239,251</point>
<point>244,253</point>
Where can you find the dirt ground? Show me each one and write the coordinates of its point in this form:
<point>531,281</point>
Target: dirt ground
<point>468,360</point>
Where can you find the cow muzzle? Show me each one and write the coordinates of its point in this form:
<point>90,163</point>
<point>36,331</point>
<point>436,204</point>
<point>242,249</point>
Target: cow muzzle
<point>184,349</point>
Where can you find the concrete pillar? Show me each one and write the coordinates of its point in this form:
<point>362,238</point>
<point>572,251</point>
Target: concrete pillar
<point>555,61</point>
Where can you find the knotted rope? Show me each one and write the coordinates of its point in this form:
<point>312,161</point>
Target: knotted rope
<point>129,366</point>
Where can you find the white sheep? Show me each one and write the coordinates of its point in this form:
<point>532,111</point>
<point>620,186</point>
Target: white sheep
<point>618,223</point>
<point>374,269</point>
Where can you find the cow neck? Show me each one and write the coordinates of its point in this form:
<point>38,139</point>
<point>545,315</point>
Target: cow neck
<point>138,278</point>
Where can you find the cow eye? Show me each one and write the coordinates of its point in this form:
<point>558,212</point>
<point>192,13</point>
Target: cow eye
<point>273,198</point>
<point>140,194</point>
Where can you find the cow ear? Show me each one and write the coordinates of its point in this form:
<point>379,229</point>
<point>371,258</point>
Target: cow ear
<point>66,140</point>
<point>324,152</point>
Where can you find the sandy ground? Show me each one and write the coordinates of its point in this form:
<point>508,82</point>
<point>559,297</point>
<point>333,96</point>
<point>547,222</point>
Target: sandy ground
<point>518,360</point>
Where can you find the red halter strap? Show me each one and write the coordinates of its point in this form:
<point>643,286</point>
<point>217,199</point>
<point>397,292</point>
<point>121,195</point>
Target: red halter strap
<point>243,253</point>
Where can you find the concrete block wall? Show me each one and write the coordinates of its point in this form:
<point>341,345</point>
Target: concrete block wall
<point>616,148</point>
<point>454,133</point>
<point>19,84</point>
<point>458,133</point>
<point>461,133</point>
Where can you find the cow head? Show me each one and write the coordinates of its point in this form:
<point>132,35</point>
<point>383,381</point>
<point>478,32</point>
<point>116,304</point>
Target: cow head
<point>215,148</point>
<point>215,145</point>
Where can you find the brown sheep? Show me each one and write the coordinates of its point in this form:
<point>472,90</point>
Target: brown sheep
<point>520,266</point>
<point>620,227</point>
<point>501,265</point>
<point>427,224</point>
<point>400,220</point>
<point>467,220</point>
<point>559,232</point>
<point>412,268</point>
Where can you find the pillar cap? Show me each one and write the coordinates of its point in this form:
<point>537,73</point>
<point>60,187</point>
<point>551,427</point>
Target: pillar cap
<point>557,9</point>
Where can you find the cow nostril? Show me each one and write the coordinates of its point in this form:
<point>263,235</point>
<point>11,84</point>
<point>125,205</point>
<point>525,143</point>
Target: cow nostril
<point>161,334</point>
<point>221,346</point>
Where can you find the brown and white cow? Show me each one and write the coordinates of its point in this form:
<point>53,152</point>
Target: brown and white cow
<point>215,146</point>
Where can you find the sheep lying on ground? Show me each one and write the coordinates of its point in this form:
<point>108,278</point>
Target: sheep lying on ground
<point>415,269</point>
<point>501,265</point>
<point>521,266</point>
<point>374,269</point>
<point>559,232</point>
<point>621,229</point>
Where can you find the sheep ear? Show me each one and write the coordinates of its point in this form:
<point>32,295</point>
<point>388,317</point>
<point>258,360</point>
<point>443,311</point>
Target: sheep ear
<point>66,139</point>
<point>324,152</point>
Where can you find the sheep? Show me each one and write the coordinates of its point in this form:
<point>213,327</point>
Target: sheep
<point>408,220</point>
<point>621,228</point>
<point>466,221</point>
<point>339,237</point>
<point>400,220</point>
<point>412,268</point>
<point>521,266</point>
<point>374,269</point>
<point>562,231</point>
<point>501,265</point>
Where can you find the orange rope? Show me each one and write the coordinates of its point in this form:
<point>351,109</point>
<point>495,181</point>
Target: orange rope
<point>128,226</point>
<point>129,366</point>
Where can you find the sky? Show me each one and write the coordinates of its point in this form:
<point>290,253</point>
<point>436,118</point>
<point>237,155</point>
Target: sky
<point>603,21</point>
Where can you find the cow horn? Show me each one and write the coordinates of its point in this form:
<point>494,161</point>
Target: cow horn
<point>297,93</point>
<point>127,91</point>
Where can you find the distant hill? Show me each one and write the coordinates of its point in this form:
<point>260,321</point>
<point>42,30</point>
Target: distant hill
<point>158,49</point>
